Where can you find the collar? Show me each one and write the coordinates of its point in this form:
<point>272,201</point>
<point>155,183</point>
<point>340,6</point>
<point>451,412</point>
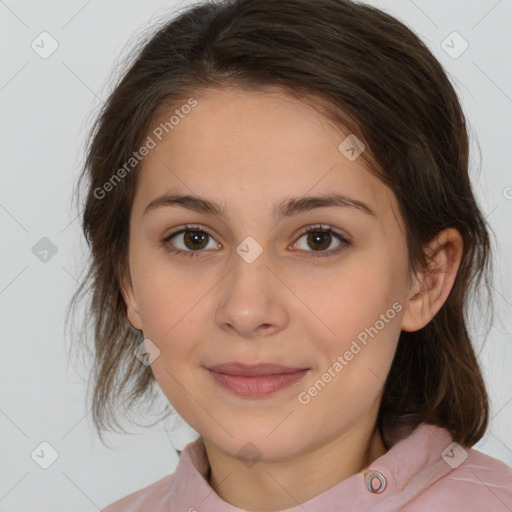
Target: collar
<point>391,481</point>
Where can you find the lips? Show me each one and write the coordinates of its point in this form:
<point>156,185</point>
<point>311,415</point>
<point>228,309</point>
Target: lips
<point>239,369</point>
<point>255,380</point>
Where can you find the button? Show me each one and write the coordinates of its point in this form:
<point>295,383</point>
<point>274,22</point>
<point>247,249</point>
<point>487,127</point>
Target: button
<point>375,482</point>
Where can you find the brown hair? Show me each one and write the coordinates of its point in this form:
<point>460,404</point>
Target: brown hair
<point>373,77</point>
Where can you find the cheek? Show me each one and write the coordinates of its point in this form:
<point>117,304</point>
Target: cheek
<point>362,307</point>
<point>172,309</point>
<point>165,295</point>
<point>355,363</point>
<point>353,299</point>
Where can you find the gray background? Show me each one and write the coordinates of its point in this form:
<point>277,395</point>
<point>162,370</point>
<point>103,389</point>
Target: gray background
<point>47,106</point>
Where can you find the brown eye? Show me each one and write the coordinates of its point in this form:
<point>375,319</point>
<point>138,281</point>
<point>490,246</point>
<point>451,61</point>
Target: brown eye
<point>188,241</point>
<point>319,239</point>
<point>195,239</point>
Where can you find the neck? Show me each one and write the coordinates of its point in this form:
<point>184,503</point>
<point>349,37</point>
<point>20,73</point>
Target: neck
<point>277,485</point>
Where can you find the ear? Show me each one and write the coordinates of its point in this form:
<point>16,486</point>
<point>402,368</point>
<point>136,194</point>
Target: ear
<point>431,286</point>
<point>131,303</point>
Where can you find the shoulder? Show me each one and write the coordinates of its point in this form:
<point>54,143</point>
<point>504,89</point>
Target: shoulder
<point>145,499</point>
<point>480,483</point>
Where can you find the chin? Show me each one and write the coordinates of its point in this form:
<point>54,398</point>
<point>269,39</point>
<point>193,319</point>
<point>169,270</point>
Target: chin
<point>252,445</point>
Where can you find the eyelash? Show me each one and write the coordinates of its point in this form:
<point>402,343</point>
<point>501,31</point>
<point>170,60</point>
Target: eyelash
<point>314,229</point>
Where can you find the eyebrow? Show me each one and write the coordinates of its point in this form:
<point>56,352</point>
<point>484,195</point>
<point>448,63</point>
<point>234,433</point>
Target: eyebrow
<point>287,208</point>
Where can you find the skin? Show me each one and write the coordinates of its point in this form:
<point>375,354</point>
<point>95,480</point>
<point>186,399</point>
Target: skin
<point>252,150</point>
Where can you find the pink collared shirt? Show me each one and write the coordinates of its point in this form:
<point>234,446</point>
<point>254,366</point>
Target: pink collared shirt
<point>423,472</point>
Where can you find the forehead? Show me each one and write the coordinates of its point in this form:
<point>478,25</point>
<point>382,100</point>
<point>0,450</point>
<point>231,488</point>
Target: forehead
<point>254,147</point>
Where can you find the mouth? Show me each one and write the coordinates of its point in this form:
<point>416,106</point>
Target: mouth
<point>256,380</point>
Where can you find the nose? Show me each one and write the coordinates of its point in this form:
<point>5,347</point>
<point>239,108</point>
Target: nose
<point>253,299</point>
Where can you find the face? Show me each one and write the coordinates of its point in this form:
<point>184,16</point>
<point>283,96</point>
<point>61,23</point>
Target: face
<point>318,288</point>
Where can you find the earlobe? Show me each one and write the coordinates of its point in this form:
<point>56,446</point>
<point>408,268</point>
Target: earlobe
<point>132,312</point>
<point>432,286</point>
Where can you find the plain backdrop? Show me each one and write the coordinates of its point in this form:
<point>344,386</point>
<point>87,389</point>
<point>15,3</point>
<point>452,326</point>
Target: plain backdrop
<point>47,107</point>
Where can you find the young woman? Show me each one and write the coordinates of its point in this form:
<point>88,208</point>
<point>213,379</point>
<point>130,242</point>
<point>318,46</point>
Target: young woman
<point>284,239</point>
